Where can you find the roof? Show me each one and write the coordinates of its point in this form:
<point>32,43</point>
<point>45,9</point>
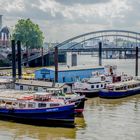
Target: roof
<point>119,84</point>
<point>5,81</point>
<point>65,68</point>
<point>42,93</point>
<point>39,83</point>
<point>14,94</point>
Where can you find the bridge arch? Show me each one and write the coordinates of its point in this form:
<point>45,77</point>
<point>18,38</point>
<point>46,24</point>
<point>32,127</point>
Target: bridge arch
<point>80,39</point>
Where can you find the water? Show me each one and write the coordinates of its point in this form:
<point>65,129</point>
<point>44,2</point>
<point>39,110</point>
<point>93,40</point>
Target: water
<point>102,119</point>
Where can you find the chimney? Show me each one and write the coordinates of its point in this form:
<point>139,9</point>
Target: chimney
<point>0,22</point>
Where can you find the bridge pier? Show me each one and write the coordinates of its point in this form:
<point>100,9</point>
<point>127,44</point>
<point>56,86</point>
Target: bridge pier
<point>71,59</point>
<point>125,56</point>
<point>106,54</point>
<point>120,54</point>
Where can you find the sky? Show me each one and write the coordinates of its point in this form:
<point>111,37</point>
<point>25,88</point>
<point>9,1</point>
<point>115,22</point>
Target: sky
<point>62,19</point>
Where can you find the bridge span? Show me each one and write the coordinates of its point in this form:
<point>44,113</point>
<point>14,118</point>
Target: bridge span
<point>129,41</point>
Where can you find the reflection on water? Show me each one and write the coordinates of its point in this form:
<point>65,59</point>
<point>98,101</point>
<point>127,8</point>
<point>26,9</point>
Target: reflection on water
<point>21,131</point>
<point>112,119</point>
<point>103,119</point>
<point>15,131</point>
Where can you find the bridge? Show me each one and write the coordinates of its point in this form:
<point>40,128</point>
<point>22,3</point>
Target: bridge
<point>112,40</point>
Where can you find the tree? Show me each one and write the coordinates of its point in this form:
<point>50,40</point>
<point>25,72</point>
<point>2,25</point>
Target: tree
<point>29,34</point>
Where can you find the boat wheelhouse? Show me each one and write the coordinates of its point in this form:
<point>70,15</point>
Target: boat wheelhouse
<point>79,100</point>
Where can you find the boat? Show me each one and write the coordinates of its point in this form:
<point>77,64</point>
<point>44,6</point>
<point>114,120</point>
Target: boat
<point>38,108</point>
<point>121,89</point>
<point>90,87</point>
<point>79,100</point>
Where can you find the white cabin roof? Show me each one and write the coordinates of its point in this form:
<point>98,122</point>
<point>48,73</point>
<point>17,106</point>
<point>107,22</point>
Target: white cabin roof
<point>42,93</point>
<point>119,84</point>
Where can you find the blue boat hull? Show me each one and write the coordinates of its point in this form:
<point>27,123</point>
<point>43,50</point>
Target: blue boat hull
<point>56,115</point>
<point>118,94</point>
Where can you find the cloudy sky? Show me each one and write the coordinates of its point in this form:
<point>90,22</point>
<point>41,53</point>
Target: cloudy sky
<point>63,19</point>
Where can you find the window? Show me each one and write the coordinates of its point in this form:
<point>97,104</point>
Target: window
<point>92,86</point>
<point>64,79</point>
<point>41,105</point>
<point>97,86</point>
<point>21,87</point>
<point>101,85</point>
<point>31,105</point>
<point>65,90</point>
<point>54,104</point>
<point>43,76</point>
<point>72,79</point>
<point>22,105</point>
<point>36,88</point>
<point>29,88</point>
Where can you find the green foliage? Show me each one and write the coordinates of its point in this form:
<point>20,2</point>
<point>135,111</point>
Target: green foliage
<point>28,33</point>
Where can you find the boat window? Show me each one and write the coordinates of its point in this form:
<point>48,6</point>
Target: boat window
<point>15,104</point>
<point>101,85</point>
<point>97,86</point>
<point>22,105</point>
<point>31,105</point>
<point>118,88</point>
<point>54,104</point>
<point>36,88</point>
<point>125,87</point>
<point>29,88</point>
<point>92,86</point>
<point>41,104</point>
<point>65,90</point>
<point>21,87</point>
<point>44,88</point>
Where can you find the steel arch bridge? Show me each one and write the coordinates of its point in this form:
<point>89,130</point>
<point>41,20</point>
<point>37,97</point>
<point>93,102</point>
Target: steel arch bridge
<point>78,42</point>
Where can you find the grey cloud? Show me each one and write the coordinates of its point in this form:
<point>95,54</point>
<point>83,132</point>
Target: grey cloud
<point>73,2</point>
<point>61,27</point>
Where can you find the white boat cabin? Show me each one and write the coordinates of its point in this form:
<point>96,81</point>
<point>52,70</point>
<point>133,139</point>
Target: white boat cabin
<point>28,101</point>
<point>40,86</point>
<point>120,86</point>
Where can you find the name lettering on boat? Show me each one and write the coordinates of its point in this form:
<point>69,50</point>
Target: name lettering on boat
<point>52,109</point>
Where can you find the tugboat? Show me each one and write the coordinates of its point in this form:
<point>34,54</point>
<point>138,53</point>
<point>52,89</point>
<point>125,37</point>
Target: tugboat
<point>38,108</point>
<point>121,89</point>
<point>79,100</point>
<point>90,87</point>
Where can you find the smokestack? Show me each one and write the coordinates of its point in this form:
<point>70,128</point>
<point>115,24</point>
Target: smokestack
<point>0,22</point>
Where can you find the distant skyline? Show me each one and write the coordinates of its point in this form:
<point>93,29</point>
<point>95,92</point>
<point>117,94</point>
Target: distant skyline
<point>63,19</point>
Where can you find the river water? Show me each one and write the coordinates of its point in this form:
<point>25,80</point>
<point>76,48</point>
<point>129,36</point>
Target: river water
<point>102,119</point>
